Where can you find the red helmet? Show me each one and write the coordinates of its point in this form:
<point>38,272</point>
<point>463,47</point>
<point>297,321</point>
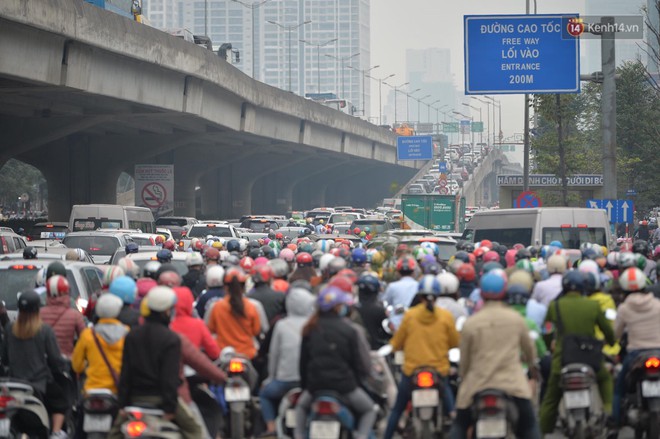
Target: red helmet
<point>235,273</point>
<point>466,273</point>
<point>402,248</point>
<point>279,235</point>
<point>341,282</point>
<point>160,240</point>
<point>356,231</point>
<point>478,253</point>
<point>292,247</point>
<point>57,286</point>
<point>472,258</point>
<point>350,274</point>
<point>198,246</point>
<point>247,264</point>
<point>406,265</point>
<point>212,254</point>
<point>262,274</point>
<point>169,245</point>
<point>169,279</point>
<point>486,243</point>
<point>335,252</point>
<point>518,246</point>
<point>304,260</point>
<point>491,256</point>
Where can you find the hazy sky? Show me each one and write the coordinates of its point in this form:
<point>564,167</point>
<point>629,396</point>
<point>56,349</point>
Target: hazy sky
<point>397,25</point>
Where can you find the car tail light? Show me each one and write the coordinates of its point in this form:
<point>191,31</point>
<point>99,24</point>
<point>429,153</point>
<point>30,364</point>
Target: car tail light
<point>565,226</point>
<point>183,233</point>
<point>326,408</point>
<point>23,267</point>
<point>582,226</point>
<point>652,363</point>
<point>425,379</point>
<point>28,238</point>
<point>135,428</point>
<point>236,366</point>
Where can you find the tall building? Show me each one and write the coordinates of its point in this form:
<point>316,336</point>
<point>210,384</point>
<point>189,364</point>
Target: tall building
<point>626,50</point>
<point>325,55</point>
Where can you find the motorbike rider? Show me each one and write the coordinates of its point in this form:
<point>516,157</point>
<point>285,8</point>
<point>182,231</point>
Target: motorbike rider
<point>467,279</point>
<point>234,319</point>
<point>107,334</point>
<point>150,369</point>
<point>194,278</point>
<point>193,328</point>
<point>547,290</point>
<point>330,361</point>
<point>126,289</point>
<point>491,343</point>
<point>448,298</point>
<point>31,354</point>
<point>272,301</point>
<point>67,322</point>
<point>580,316</point>
<point>425,336</point>
<point>284,354</point>
<point>639,316</point>
<point>215,275</point>
<point>402,292</point>
<point>372,313</point>
<point>650,269</point>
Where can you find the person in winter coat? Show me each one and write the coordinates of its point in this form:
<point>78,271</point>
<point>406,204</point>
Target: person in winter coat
<point>330,361</point>
<point>284,353</point>
<point>67,322</point>
<point>195,278</point>
<point>30,353</point>
<point>125,288</point>
<point>107,334</point>
<point>193,328</point>
<point>371,310</point>
<point>273,302</point>
<point>214,291</point>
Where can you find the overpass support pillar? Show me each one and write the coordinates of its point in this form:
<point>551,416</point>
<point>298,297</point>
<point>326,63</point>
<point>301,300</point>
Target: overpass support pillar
<point>185,181</point>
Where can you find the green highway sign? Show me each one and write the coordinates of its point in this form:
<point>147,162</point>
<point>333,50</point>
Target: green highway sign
<point>477,127</point>
<point>450,127</point>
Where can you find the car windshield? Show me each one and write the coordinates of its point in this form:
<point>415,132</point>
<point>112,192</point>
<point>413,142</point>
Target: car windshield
<point>179,222</point>
<point>180,265</point>
<point>13,281</point>
<point>374,226</point>
<point>83,225</point>
<point>259,225</point>
<point>94,245</point>
<point>210,229</point>
<point>572,237</point>
<point>142,241</point>
<point>343,217</point>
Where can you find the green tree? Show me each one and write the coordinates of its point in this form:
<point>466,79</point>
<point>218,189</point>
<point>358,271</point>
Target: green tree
<point>17,178</point>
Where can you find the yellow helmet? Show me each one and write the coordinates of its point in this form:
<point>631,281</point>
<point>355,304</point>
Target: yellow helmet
<point>378,258</point>
<point>217,244</point>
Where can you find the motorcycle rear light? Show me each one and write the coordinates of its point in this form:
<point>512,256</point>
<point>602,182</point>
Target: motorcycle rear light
<point>489,401</point>
<point>6,400</point>
<point>425,379</point>
<point>326,408</point>
<point>97,404</point>
<point>236,366</point>
<point>135,428</point>
<point>575,383</point>
<point>652,363</point>
<point>293,398</point>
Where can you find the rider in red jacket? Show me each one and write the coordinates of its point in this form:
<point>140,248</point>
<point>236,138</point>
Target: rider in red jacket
<point>193,328</point>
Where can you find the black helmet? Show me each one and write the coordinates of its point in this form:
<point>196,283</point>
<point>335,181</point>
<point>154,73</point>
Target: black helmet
<point>272,235</point>
<point>640,246</point>
<point>469,247</point>
<point>253,244</point>
<point>233,246</point>
<point>164,256</point>
<point>368,283</point>
<point>131,247</point>
<point>268,251</point>
<point>462,256</point>
<point>29,301</point>
<point>501,250</point>
<point>523,253</point>
<point>517,294</point>
<point>572,280</point>
<point>55,268</point>
<point>534,251</point>
<point>29,253</point>
<point>460,245</point>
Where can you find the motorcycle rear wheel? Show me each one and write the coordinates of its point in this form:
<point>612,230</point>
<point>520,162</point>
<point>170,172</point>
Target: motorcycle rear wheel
<point>236,425</point>
<point>653,429</point>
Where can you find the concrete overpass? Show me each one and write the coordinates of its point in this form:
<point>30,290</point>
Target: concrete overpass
<point>86,94</point>
<point>481,189</point>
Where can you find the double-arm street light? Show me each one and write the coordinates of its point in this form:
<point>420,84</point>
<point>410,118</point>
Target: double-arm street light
<point>318,58</point>
<point>488,125</point>
<point>342,60</point>
<point>497,104</point>
<point>364,95</point>
<point>481,134</point>
<point>408,95</point>
<point>380,96</point>
<point>419,111</point>
<point>252,7</point>
<point>290,28</point>
<point>396,90</point>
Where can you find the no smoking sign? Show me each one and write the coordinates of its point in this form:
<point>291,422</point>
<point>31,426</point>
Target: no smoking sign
<point>154,195</point>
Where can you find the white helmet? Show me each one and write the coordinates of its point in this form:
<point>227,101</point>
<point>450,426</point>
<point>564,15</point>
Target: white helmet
<point>215,276</point>
<point>589,266</point>
<point>325,261</point>
<point>557,264</point>
<point>160,299</point>
<point>280,268</point>
<point>108,306</point>
<point>194,258</point>
<point>449,283</point>
<point>129,266</point>
<point>633,280</point>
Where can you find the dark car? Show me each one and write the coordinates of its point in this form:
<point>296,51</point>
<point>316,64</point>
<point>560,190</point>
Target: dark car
<point>54,230</point>
<point>176,224</point>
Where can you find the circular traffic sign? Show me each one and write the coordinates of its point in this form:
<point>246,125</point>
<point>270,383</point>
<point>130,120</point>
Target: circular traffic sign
<point>442,183</point>
<point>154,195</point>
<point>24,198</point>
<point>444,190</point>
<point>528,199</point>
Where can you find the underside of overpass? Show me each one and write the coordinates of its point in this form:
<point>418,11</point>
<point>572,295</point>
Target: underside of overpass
<point>86,94</point>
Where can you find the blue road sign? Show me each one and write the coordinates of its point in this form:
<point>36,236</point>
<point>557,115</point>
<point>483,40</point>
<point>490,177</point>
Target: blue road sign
<point>618,211</point>
<point>518,54</point>
<point>442,167</point>
<point>527,200</point>
<point>631,192</point>
<point>414,148</point>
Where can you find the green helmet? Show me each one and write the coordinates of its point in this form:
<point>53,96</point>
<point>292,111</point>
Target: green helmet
<point>525,264</point>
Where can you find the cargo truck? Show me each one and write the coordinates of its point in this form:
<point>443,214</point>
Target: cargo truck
<point>440,213</point>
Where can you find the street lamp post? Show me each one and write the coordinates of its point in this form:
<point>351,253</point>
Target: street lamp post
<point>497,104</point>
<point>290,28</point>
<point>380,96</point>
<point>488,126</point>
<point>252,7</point>
<point>408,103</point>
<point>481,134</point>
<point>428,109</point>
<point>364,94</point>
<point>342,60</point>
<point>396,89</point>
<point>462,134</point>
<point>318,58</point>
<point>419,111</point>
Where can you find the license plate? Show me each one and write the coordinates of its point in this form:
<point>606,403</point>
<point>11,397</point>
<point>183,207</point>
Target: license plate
<point>650,389</point>
<point>425,398</point>
<point>97,423</point>
<point>324,430</point>
<point>495,427</point>
<point>5,425</point>
<point>290,418</point>
<point>577,400</point>
<point>237,394</point>
<point>399,358</point>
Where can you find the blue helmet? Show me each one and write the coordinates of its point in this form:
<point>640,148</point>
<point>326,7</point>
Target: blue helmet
<point>557,244</point>
<point>429,285</point>
<point>368,283</point>
<point>164,256</point>
<point>125,288</point>
<point>573,280</point>
<point>359,256</point>
<point>330,297</point>
<point>493,285</point>
<point>233,246</point>
<point>131,247</point>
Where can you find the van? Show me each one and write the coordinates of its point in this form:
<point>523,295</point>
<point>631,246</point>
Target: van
<point>85,217</point>
<point>540,226</point>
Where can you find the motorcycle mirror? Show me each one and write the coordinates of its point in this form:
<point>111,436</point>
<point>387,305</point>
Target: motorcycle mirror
<point>454,355</point>
<point>610,314</point>
<point>460,322</point>
<point>386,326</point>
<point>385,350</point>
